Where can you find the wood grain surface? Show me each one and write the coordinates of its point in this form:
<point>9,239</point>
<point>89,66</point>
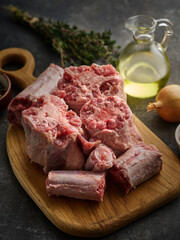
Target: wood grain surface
<point>81,217</point>
<point>22,77</point>
<point>92,219</point>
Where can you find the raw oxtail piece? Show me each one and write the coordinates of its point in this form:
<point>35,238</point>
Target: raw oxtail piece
<point>136,165</point>
<point>81,84</point>
<point>100,159</point>
<point>51,134</point>
<point>44,84</point>
<point>77,184</point>
<point>110,120</point>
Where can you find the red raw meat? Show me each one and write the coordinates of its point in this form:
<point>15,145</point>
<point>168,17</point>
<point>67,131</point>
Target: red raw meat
<point>76,184</point>
<point>110,120</point>
<point>100,159</point>
<point>88,145</point>
<point>136,165</point>
<point>51,134</point>
<point>81,84</point>
<point>44,84</point>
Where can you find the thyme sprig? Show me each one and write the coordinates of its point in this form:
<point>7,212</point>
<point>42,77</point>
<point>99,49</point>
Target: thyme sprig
<point>75,46</point>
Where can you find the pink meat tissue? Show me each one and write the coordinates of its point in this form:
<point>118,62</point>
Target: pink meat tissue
<point>79,128</point>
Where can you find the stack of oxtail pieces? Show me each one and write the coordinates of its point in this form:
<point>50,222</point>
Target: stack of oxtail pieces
<point>79,128</point>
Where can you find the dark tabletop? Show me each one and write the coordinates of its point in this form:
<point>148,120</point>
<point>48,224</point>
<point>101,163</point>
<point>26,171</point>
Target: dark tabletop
<point>20,218</point>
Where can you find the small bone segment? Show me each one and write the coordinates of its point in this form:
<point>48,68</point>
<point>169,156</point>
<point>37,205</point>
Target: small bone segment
<point>77,184</point>
<point>136,165</point>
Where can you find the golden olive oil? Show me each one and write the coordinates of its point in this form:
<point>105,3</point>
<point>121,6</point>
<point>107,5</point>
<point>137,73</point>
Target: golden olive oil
<point>144,73</point>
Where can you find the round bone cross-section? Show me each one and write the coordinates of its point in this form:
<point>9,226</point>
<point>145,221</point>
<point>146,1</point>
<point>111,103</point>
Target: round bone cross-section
<point>81,84</point>
<point>110,120</point>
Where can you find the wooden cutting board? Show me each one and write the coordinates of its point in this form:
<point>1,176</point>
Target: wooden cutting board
<point>87,218</point>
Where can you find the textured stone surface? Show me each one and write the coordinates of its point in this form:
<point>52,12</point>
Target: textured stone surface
<point>20,218</point>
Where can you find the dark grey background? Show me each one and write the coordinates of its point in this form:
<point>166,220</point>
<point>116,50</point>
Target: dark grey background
<point>20,218</point>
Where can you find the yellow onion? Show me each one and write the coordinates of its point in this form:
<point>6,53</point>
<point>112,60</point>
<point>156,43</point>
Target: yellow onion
<point>167,103</point>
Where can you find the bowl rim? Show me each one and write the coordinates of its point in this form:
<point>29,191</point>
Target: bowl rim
<point>177,134</point>
<point>8,88</point>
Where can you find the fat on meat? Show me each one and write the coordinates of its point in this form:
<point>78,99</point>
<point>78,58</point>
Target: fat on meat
<point>136,165</point>
<point>110,120</point>
<point>81,84</point>
<point>44,84</point>
<point>77,184</point>
<point>100,159</point>
<point>51,134</point>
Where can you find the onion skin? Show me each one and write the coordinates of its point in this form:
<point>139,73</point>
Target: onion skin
<point>167,103</point>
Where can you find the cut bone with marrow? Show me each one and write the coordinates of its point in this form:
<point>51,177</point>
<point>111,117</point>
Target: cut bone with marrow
<point>51,135</point>
<point>100,159</point>
<point>44,84</point>
<point>59,140</point>
<point>110,120</point>
<point>81,84</point>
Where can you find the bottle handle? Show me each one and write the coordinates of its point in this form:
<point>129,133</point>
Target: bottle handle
<point>168,31</point>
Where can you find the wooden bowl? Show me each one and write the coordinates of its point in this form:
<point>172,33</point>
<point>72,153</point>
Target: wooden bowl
<point>6,97</point>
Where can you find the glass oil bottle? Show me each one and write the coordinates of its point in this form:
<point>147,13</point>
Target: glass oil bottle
<point>143,63</point>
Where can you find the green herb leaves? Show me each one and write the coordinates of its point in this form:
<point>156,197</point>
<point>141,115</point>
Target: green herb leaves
<point>75,46</point>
